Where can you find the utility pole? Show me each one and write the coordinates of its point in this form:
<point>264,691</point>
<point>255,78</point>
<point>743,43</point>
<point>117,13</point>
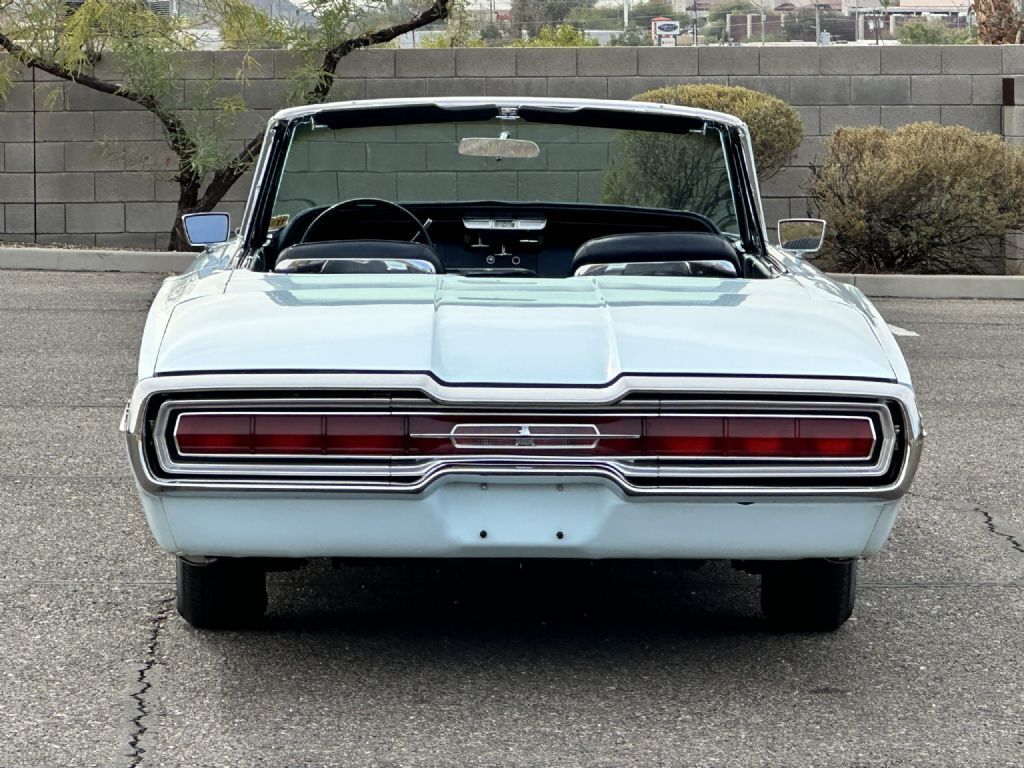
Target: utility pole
<point>625,15</point>
<point>817,20</point>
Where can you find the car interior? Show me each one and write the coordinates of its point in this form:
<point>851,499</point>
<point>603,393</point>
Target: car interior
<point>369,235</point>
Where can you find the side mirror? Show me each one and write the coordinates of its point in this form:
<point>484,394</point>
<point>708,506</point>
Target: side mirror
<point>801,237</point>
<point>206,228</point>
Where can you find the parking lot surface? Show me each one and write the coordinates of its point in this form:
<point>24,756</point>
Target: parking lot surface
<point>504,666</point>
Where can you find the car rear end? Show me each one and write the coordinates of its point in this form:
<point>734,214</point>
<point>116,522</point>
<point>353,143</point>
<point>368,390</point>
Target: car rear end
<point>297,466</point>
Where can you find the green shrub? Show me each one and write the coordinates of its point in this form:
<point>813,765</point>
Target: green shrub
<point>447,40</point>
<point>685,172</point>
<point>775,127</point>
<point>928,32</point>
<point>559,36</point>
<point>921,198</point>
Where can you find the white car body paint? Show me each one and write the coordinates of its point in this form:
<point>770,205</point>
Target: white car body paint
<point>546,341</point>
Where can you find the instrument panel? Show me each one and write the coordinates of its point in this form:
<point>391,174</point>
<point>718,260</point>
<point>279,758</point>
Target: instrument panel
<point>509,245</point>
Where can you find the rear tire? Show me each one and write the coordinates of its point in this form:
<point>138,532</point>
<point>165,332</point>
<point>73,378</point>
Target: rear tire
<point>227,593</point>
<point>808,595</point>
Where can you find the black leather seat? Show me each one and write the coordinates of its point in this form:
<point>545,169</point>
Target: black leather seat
<point>347,256</point>
<point>653,247</point>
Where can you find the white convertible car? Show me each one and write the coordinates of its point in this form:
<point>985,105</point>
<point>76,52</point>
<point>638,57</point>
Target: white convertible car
<point>515,328</point>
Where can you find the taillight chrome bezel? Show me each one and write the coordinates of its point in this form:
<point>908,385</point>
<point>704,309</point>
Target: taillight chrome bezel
<point>417,471</point>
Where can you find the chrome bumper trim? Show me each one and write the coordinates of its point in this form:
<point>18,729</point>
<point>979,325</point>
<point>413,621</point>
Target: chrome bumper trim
<point>397,468</point>
<point>675,389</point>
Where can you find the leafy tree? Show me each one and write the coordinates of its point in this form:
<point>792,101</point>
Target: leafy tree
<point>560,36</point>
<point>461,31</point>
<point>147,48</point>
<point>596,17</point>
<point>634,36</point>
<point>926,32</point>
<point>775,127</point>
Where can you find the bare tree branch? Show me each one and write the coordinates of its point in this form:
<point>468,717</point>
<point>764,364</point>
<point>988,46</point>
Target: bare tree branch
<point>224,178</point>
<point>177,133</point>
<point>439,10</point>
<point>181,138</point>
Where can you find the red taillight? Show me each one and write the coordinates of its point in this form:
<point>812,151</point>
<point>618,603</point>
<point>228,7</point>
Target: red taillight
<point>369,435</point>
<point>289,434</point>
<point>762,437</point>
<point>836,438</point>
<point>684,436</point>
<point>214,433</point>
<point>698,437</point>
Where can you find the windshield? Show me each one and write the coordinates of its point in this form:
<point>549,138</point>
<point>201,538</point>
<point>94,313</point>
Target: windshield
<point>509,160</point>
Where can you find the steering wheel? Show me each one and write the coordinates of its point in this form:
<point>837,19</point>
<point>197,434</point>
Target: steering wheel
<point>326,220</point>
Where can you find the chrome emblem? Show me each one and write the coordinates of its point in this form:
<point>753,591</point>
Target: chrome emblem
<point>525,436</point>
<point>522,436</point>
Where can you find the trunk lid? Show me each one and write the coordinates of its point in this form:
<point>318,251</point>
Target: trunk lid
<point>581,331</point>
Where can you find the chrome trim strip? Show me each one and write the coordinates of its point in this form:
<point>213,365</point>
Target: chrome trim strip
<point>484,473</point>
<point>585,439</point>
<point>420,387</point>
<point>519,396</point>
<point>488,223</point>
<point>356,472</point>
<point>171,408</point>
<point>393,266</point>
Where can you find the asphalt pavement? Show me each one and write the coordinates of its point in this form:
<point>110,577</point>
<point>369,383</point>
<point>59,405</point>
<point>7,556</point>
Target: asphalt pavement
<point>495,666</point>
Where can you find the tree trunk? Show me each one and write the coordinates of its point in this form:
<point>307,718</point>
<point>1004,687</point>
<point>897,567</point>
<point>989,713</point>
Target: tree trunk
<point>998,21</point>
<point>188,202</point>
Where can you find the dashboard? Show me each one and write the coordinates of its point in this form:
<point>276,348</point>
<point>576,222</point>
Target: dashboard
<point>497,239</point>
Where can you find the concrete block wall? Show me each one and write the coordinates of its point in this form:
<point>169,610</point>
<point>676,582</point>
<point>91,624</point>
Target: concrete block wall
<point>62,179</point>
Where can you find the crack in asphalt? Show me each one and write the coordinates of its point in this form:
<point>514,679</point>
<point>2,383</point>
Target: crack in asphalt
<point>993,524</point>
<point>997,527</point>
<point>141,707</point>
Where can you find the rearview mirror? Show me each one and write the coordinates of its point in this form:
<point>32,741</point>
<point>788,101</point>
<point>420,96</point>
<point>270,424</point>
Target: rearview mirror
<point>499,148</point>
<point>801,237</point>
<point>206,228</point>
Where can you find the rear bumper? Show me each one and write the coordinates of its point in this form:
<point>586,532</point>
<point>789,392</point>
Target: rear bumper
<point>522,509</point>
<point>488,518</point>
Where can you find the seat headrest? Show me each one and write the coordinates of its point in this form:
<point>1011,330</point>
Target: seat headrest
<point>340,250</point>
<point>655,247</point>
